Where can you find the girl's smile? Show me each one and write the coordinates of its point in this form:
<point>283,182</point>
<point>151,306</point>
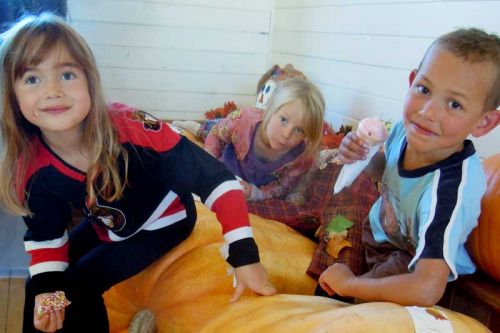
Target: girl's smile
<point>56,109</point>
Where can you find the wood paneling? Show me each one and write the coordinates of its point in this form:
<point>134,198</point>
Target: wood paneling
<point>11,303</point>
<point>234,4</point>
<point>171,15</point>
<point>164,37</point>
<point>16,305</point>
<point>361,52</point>
<point>180,58</point>
<point>177,59</point>
<point>351,48</point>
<point>391,18</point>
<point>4,301</point>
<point>176,104</point>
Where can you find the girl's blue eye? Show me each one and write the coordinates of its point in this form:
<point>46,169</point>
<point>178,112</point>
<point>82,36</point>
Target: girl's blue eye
<point>423,90</point>
<point>31,80</point>
<point>268,88</point>
<point>68,76</point>
<point>455,105</point>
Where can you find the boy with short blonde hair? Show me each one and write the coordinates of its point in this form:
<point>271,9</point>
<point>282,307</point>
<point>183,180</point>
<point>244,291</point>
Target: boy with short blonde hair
<point>432,179</point>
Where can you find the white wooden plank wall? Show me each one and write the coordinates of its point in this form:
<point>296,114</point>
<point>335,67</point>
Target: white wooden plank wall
<point>360,52</point>
<point>177,58</point>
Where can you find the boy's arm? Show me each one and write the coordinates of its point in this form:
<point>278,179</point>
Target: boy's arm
<point>423,287</point>
<point>375,169</point>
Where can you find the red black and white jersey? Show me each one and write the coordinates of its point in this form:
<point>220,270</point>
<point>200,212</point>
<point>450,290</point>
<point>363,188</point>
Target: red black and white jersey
<point>164,169</point>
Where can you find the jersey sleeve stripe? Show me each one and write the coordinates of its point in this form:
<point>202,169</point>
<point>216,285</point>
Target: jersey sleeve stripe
<point>50,266</point>
<point>169,211</point>
<point>231,211</point>
<point>49,254</point>
<point>237,234</point>
<point>220,190</point>
<point>166,221</point>
<point>49,244</point>
<point>162,207</point>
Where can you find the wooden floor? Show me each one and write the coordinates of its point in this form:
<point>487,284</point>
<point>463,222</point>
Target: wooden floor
<point>13,271</point>
<point>11,303</point>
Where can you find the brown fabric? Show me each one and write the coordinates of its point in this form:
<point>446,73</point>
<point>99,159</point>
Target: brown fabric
<point>299,217</point>
<point>320,207</point>
<point>383,259</point>
<point>304,216</point>
<point>354,203</point>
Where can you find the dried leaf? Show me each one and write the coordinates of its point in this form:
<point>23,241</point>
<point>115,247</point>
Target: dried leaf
<point>336,243</point>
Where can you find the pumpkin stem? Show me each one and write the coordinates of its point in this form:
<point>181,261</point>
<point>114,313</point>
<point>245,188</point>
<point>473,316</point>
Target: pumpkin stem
<point>143,322</point>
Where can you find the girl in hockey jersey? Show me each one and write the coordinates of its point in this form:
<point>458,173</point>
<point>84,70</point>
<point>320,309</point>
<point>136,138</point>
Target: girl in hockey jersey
<point>269,149</point>
<point>133,176</point>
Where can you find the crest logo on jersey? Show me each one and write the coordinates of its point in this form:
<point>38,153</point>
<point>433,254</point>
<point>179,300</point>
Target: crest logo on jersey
<point>149,122</point>
<point>111,218</point>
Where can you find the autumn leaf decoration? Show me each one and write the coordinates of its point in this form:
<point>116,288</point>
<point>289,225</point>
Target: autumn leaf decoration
<point>221,112</point>
<point>331,139</point>
<point>336,235</point>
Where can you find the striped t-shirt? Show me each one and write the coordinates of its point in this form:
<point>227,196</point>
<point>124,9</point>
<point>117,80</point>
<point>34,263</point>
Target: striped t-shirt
<point>429,212</point>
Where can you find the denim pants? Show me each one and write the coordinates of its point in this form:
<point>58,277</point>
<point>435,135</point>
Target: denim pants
<point>96,266</point>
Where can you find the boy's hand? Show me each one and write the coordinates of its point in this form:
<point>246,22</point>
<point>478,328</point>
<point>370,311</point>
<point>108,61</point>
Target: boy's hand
<point>253,276</point>
<point>352,149</point>
<point>335,279</point>
<point>47,322</point>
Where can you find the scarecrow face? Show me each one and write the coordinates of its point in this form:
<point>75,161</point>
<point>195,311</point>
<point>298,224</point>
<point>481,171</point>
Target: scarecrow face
<point>265,93</point>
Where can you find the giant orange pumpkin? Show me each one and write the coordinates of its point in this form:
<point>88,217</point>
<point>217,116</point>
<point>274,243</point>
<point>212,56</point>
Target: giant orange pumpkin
<point>188,290</point>
<point>484,242</point>
<point>304,314</point>
<point>190,284</point>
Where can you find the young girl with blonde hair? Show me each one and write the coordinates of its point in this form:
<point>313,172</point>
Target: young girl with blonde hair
<point>132,175</point>
<point>270,149</point>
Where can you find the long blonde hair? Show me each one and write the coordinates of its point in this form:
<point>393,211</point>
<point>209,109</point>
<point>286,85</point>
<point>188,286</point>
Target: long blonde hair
<point>26,44</point>
<point>303,90</point>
